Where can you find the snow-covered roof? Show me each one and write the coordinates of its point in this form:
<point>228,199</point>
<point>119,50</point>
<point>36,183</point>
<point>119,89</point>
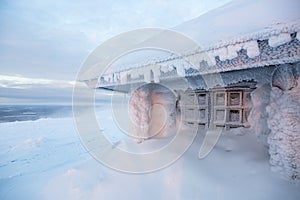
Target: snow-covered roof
<point>238,25</point>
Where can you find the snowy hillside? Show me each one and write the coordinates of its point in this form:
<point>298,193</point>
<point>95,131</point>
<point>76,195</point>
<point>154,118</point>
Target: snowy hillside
<point>240,18</point>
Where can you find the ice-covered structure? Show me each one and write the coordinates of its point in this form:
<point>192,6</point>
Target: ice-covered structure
<point>254,46</point>
<point>284,121</point>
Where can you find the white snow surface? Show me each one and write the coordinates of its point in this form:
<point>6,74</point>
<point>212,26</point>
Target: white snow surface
<point>44,159</point>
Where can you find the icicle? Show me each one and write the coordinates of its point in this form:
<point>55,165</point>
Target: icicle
<point>202,57</point>
<point>298,36</point>
<point>221,52</point>
<point>170,67</point>
<point>139,71</point>
<point>107,77</point>
<point>123,77</point>
<point>147,75</point>
<point>252,48</point>
<point>198,58</point>
<point>134,74</point>
<point>164,68</point>
<point>232,51</point>
<point>129,74</point>
<point>182,63</point>
<point>211,61</point>
<point>280,39</point>
<point>115,77</point>
<point>156,73</point>
<point>194,60</point>
<point>180,71</point>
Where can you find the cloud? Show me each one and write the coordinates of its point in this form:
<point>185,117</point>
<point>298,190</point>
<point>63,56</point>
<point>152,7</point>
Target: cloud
<point>19,82</point>
<point>24,90</point>
<point>50,39</point>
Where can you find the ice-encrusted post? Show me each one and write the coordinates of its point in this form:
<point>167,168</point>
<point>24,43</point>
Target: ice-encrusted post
<point>139,107</point>
<point>284,122</point>
<point>152,111</point>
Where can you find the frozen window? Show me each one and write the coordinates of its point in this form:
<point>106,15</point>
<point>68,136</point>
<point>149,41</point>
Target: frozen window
<point>220,99</point>
<point>190,99</point>
<point>202,113</point>
<point>189,113</point>
<point>202,99</point>
<point>234,99</point>
<point>234,115</point>
<point>220,115</point>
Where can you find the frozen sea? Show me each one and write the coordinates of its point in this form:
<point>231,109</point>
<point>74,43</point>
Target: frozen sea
<point>42,157</point>
<point>12,113</point>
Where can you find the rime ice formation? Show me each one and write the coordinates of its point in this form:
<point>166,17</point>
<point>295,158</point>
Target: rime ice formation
<point>284,77</point>
<point>260,98</point>
<point>284,122</point>
<point>239,49</point>
<point>139,107</point>
<point>280,39</point>
<point>152,111</point>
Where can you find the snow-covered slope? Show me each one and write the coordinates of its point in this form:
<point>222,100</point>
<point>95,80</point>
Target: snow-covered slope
<point>44,159</point>
<point>240,18</point>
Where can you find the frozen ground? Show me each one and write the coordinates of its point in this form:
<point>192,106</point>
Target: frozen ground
<point>44,159</point>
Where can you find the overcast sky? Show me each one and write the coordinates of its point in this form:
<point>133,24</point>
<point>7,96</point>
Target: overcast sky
<point>45,41</point>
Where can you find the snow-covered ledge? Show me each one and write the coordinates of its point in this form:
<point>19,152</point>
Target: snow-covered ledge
<point>280,39</point>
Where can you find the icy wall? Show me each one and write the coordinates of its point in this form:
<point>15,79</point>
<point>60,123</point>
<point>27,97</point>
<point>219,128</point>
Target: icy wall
<point>284,122</point>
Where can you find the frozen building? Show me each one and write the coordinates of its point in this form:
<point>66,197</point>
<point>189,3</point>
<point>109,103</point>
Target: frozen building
<point>254,46</point>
